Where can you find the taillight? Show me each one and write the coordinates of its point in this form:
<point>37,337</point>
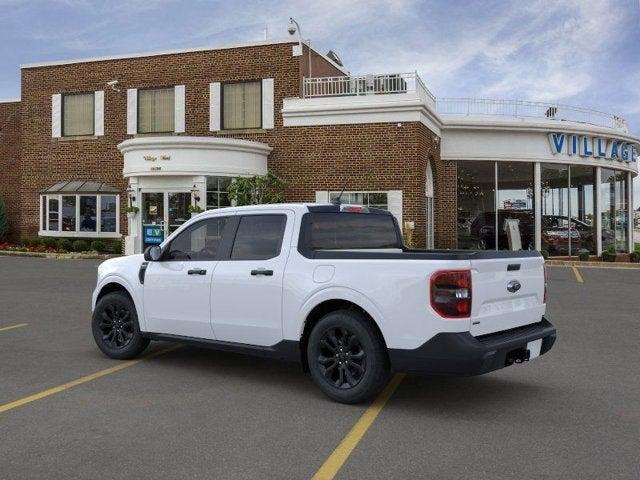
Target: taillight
<point>451,293</point>
<point>545,285</point>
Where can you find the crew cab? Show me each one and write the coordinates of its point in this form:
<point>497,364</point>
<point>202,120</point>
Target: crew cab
<point>330,286</point>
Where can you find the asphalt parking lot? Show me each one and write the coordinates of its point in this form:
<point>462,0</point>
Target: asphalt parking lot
<point>197,413</point>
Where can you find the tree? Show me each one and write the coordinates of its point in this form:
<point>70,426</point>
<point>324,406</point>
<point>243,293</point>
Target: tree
<point>4,221</point>
<point>257,190</point>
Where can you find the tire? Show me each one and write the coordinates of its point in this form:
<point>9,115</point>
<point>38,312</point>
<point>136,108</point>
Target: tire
<point>115,327</point>
<point>357,372</point>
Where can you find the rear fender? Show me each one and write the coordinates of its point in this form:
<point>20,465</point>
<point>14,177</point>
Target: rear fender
<point>342,293</point>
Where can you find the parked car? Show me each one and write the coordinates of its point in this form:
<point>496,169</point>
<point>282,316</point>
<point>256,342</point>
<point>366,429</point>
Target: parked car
<point>329,286</point>
<point>483,229</point>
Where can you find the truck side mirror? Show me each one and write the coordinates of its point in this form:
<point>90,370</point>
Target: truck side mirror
<point>153,253</point>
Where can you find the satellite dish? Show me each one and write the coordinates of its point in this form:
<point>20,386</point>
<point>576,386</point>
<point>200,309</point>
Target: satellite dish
<point>334,56</point>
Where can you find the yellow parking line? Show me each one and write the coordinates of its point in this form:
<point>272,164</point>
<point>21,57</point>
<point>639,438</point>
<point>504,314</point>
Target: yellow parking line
<point>333,464</point>
<point>74,383</point>
<point>19,325</point>
<point>577,274</point>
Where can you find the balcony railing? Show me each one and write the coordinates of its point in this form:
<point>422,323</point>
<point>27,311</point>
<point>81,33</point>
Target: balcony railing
<point>400,83</point>
<point>356,85</point>
<point>526,109</point>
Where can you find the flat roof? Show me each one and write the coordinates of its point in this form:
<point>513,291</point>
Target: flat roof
<point>176,52</point>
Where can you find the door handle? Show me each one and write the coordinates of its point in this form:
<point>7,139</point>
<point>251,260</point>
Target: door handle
<point>197,271</point>
<point>262,271</point>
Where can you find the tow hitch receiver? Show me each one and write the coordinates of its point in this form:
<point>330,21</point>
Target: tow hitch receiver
<point>518,355</point>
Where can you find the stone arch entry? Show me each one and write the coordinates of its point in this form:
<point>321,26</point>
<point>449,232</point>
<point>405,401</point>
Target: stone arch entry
<point>429,194</point>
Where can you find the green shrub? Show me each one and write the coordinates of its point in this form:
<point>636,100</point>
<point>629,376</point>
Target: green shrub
<point>65,244</point>
<point>35,241</point>
<point>50,242</point>
<point>544,253</point>
<point>25,242</point>
<point>583,254</point>
<point>80,246</point>
<point>634,257</point>
<point>115,247</point>
<point>98,246</point>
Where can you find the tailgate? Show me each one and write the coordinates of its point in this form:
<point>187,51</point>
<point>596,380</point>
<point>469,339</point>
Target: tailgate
<point>507,293</point>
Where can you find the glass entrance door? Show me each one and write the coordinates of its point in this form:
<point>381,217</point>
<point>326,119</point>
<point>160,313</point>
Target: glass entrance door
<point>178,210</point>
<point>162,214</point>
<point>153,219</point>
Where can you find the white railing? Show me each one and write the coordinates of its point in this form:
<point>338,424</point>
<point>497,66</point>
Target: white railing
<point>526,109</point>
<point>355,85</point>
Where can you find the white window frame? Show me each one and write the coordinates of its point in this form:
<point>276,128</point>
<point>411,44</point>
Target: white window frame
<point>386,192</point>
<point>261,103</point>
<point>218,191</point>
<point>44,227</point>
<point>94,116</point>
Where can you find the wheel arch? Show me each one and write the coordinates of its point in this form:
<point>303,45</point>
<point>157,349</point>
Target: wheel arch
<point>117,284</point>
<point>326,306</point>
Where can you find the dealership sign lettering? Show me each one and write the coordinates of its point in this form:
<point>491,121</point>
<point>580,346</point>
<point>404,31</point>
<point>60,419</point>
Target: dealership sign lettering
<point>597,147</point>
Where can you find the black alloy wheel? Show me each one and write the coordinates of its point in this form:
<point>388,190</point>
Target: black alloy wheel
<point>116,325</point>
<point>347,356</point>
<point>341,358</point>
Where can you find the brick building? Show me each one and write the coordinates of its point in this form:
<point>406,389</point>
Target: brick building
<point>168,130</point>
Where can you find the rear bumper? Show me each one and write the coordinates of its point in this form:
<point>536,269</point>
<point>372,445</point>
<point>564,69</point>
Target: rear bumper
<point>464,354</point>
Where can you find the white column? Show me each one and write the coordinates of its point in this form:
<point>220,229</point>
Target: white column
<point>133,240</point>
<point>537,204</point>
<point>598,218</point>
<point>200,182</point>
<point>630,212</point>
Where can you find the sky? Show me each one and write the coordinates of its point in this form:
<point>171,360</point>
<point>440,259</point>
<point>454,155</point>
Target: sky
<point>577,52</point>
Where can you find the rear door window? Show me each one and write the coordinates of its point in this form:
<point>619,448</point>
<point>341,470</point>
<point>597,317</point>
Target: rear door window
<point>346,231</point>
<point>259,237</point>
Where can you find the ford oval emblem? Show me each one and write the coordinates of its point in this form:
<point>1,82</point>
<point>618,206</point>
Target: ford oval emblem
<point>513,286</point>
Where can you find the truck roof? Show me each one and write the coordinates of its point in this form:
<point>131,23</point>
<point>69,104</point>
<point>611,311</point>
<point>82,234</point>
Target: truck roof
<point>300,207</point>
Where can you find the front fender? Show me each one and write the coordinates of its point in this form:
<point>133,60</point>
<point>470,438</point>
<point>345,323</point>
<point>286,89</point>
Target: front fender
<point>342,293</point>
<point>135,293</point>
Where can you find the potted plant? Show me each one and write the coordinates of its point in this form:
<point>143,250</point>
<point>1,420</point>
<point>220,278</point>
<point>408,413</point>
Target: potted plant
<point>610,254</point>
<point>132,212</point>
<point>194,210</point>
<point>583,255</point>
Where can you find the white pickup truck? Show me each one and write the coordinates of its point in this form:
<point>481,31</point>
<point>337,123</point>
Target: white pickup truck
<point>330,286</point>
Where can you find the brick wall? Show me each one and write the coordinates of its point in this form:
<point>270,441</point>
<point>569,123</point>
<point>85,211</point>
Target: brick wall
<point>45,161</point>
<point>353,157</point>
<point>445,196</point>
<point>9,161</point>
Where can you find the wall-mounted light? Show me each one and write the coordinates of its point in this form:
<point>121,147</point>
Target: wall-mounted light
<point>195,192</point>
<point>132,194</point>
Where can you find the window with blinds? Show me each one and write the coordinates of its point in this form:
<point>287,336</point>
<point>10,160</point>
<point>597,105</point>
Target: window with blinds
<point>156,110</point>
<point>242,105</point>
<point>78,114</point>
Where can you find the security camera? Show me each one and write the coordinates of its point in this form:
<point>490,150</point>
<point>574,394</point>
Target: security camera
<point>292,27</point>
<point>112,84</point>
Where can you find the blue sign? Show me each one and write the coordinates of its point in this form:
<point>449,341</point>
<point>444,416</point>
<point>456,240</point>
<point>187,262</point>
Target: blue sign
<point>153,234</point>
